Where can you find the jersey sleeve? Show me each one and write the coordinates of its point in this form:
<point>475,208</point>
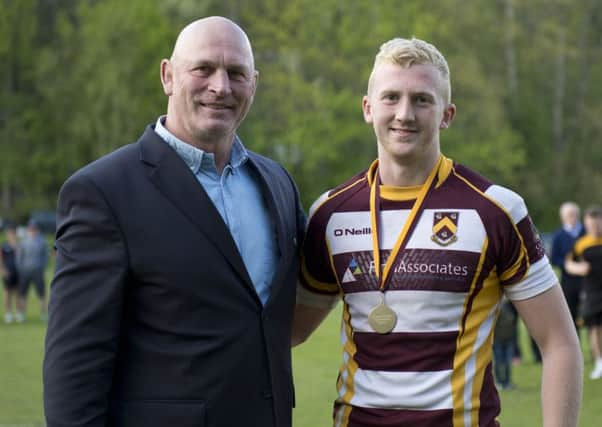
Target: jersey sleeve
<point>523,267</point>
<point>318,286</point>
<point>576,253</point>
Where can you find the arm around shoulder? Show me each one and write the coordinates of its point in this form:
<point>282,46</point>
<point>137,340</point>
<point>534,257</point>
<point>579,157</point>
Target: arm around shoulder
<point>306,321</point>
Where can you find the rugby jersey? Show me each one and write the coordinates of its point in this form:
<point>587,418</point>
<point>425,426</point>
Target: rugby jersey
<point>471,242</point>
<point>589,248</point>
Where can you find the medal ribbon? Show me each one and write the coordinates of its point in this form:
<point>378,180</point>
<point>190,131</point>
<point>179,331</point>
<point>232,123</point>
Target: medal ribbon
<point>403,235</point>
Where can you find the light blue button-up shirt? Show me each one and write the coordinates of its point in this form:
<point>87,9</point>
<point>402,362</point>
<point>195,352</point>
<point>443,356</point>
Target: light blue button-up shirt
<point>237,196</point>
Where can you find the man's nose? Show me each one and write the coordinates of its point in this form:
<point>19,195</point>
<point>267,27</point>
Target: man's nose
<point>405,110</point>
<point>219,82</point>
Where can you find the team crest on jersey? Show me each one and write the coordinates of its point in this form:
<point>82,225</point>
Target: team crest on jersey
<point>445,227</point>
<point>352,270</point>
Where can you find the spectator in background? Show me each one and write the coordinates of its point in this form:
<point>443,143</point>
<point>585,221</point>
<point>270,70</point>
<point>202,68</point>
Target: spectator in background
<point>8,269</point>
<point>586,260</point>
<point>32,259</point>
<point>562,244</point>
<point>503,344</point>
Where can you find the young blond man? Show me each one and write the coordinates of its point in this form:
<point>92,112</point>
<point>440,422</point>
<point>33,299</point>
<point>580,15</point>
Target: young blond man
<point>421,250</point>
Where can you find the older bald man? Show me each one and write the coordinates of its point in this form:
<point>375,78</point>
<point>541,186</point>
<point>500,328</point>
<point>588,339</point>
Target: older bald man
<point>177,258</point>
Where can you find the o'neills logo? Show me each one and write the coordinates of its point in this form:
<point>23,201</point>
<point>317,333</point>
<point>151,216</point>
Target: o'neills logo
<point>445,227</point>
<point>338,232</point>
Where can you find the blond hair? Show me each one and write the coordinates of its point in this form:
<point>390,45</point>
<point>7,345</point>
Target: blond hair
<point>407,52</point>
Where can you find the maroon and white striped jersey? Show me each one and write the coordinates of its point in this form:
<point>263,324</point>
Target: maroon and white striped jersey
<point>471,242</point>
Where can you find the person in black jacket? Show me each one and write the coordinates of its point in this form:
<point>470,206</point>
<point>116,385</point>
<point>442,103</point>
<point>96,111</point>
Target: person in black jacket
<point>10,275</point>
<point>176,263</point>
<point>585,260</point>
<point>562,244</point>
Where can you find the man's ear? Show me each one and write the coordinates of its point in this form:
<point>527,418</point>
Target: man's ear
<point>255,81</point>
<point>367,109</point>
<point>448,116</point>
<point>167,76</point>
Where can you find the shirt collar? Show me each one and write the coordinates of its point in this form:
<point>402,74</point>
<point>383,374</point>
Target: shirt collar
<point>197,159</point>
<point>574,231</point>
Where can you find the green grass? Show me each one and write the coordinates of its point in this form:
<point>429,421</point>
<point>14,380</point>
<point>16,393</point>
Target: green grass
<point>21,353</point>
<point>316,366</point>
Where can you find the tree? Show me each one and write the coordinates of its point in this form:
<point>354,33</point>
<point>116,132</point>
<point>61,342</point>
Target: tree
<point>80,78</point>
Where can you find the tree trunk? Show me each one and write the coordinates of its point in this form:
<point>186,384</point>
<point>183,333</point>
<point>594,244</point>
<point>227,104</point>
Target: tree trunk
<point>510,49</point>
<point>559,92</point>
<point>6,194</point>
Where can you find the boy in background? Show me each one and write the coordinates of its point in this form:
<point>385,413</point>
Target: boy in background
<point>32,258</point>
<point>8,270</point>
<point>586,260</point>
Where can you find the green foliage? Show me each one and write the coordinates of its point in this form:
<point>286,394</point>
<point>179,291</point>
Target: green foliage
<point>481,136</point>
<point>110,89</point>
<point>80,78</point>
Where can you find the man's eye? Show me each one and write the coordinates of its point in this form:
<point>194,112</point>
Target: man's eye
<point>237,75</point>
<point>391,97</point>
<point>203,70</point>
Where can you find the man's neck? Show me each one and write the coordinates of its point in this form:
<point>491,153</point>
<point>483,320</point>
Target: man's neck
<point>220,147</point>
<point>405,174</point>
<point>220,150</point>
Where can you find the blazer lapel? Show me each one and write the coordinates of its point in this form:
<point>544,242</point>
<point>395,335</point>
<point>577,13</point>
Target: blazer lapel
<point>168,172</point>
<point>276,214</point>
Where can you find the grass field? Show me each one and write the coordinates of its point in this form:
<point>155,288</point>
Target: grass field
<point>315,366</point>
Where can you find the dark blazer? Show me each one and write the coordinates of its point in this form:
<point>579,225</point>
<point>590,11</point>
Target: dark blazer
<point>153,319</point>
<point>562,245</point>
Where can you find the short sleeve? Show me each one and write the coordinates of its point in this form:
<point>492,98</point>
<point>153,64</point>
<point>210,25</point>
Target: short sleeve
<point>317,277</point>
<point>523,267</point>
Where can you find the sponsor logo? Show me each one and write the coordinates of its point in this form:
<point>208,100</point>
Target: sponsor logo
<point>426,268</point>
<point>352,270</point>
<point>448,269</point>
<point>445,227</point>
<point>540,249</point>
<point>338,232</point>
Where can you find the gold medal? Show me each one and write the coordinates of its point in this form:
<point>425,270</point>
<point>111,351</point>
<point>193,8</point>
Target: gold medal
<point>383,275</point>
<point>382,318</point>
